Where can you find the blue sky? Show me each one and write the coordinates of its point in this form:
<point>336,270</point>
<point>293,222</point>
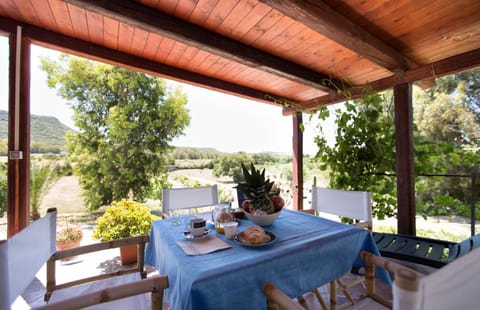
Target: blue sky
<point>224,122</point>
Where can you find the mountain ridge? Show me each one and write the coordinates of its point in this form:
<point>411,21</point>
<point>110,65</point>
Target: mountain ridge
<point>45,130</point>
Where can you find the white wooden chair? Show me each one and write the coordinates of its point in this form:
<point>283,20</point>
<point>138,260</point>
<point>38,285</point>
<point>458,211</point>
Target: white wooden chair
<point>23,255</point>
<point>454,286</point>
<point>355,205</point>
<point>188,198</point>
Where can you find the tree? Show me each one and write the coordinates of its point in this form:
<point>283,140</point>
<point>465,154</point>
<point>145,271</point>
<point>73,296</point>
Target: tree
<point>365,146</point>
<point>446,140</point>
<point>449,115</point>
<point>126,121</point>
<point>230,165</point>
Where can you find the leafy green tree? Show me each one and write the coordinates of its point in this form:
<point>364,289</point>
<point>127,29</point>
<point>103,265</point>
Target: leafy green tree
<point>230,165</point>
<point>125,120</point>
<point>448,115</point>
<point>446,140</point>
<point>365,146</point>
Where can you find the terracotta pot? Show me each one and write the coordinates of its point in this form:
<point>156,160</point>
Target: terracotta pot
<point>62,245</point>
<point>68,244</point>
<point>128,254</point>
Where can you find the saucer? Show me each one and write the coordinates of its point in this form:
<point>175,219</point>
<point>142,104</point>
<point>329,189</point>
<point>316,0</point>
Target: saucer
<point>189,236</point>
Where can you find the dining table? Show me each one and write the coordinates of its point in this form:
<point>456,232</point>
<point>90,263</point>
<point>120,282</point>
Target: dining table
<point>306,252</point>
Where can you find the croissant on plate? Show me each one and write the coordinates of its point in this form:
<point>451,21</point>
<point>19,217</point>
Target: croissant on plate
<point>254,235</point>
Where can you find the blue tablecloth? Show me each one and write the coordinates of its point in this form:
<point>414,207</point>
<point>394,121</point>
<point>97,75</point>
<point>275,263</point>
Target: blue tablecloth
<point>309,252</point>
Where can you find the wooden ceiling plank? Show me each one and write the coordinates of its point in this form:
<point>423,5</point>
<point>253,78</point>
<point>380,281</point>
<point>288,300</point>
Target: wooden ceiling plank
<point>27,11</point>
<point>62,17</point>
<point>187,57</point>
<point>95,27</point>
<point>457,63</point>
<point>145,18</point>
<point>321,18</point>
<point>257,14</point>
<point>96,52</point>
<point>184,9</point>
<point>111,32</point>
<point>263,26</point>
<point>236,17</point>
<point>125,36</point>
<point>176,53</point>
<point>79,22</point>
<point>218,14</point>
<point>202,11</point>
<point>139,41</point>
<point>164,49</point>
<point>47,21</point>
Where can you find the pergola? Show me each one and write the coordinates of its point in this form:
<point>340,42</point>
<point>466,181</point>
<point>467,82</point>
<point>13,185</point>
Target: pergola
<point>290,53</point>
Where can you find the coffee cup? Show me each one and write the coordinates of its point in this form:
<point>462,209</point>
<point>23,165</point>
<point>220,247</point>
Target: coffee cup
<point>197,226</point>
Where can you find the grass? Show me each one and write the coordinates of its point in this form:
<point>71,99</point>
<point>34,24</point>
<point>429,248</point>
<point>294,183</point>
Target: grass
<point>427,233</point>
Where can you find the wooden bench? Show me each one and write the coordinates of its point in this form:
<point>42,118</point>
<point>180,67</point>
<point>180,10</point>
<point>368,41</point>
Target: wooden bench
<point>424,251</point>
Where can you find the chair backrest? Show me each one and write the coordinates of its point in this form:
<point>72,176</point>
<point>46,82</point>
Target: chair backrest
<point>452,287</point>
<point>189,197</point>
<point>352,204</point>
<point>22,256</point>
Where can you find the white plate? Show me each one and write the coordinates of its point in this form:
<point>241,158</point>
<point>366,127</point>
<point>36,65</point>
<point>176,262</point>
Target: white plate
<point>271,238</point>
<point>192,237</point>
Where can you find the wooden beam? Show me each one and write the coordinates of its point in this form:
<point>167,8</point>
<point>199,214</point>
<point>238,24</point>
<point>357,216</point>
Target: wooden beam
<point>404,159</point>
<point>143,17</point>
<point>457,63</point>
<point>323,19</point>
<point>89,50</point>
<point>297,162</point>
<point>18,175</point>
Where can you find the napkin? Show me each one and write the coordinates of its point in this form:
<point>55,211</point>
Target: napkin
<point>203,246</point>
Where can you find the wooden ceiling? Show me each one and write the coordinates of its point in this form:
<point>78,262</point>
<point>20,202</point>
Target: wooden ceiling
<point>273,51</point>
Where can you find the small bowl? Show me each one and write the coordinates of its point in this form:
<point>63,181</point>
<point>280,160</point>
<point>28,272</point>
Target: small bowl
<point>263,220</point>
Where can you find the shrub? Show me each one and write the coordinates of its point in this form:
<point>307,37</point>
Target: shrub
<point>123,219</point>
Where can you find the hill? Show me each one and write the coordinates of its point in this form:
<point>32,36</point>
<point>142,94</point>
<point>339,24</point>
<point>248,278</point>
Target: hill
<point>46,131</point>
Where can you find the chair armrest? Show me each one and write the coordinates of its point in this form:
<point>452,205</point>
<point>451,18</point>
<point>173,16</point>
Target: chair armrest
<point>155,285</point>
<point>404,277</point>
<point>51,270</point>
<point>277,299</point>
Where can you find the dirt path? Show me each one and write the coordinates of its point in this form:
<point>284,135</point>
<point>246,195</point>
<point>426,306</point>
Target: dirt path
<point>65,195</point>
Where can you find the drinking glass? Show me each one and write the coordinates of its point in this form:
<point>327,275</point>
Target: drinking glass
<point>174,216</point>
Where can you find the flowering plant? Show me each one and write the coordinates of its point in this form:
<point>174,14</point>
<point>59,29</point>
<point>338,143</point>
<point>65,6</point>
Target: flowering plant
<point>125,218</point>
<point>69,234</point>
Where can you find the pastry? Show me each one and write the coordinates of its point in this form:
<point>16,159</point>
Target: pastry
<point>254,235</point>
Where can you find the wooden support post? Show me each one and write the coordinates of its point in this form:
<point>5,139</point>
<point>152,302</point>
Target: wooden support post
<point>297,162</point>
<point>404,158</point>
<point>18,200</point>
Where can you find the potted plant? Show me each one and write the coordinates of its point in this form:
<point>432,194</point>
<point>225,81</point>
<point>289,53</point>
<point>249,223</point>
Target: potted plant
<point>69,237</point>
<point>123,219</point>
